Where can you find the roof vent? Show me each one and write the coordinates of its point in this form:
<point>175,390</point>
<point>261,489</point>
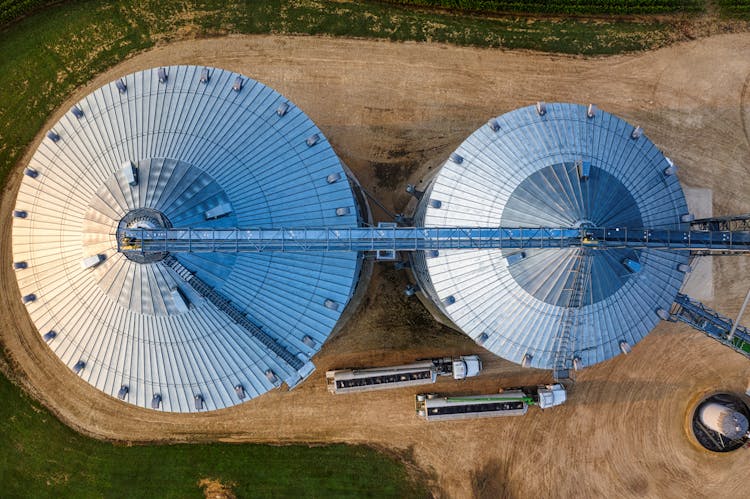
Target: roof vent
<point>541,108</point>
<point>123,392</point>
<point>449,300</point>
<point>526,361</point>
<point>271,376</point>
<point>482,339</point>
<point>591,111</point>
<point>79,366</point>
<point>20,265</point>
<point>53,136</point>
<point>20,213</point>
<point>632,265</point>
<point>49,336</point>
<point>130,172</point>
<point>308,341</point>
<point>77,112</point>
<point>340,212</point>
<point>30,172</point>
<point>205,76</point>
<point>330,304</point>
<point>237,85</point>
<point>240,391</point>
<point>435,203</point>
<point>584,169</point>
<point>456,158</point>
<point>312,140</point>
<point>199,402</point>
<point>494,125</point>
<point>333,178</point>
<point>29,298</point>
<point>515,257</point>
<point>156,401</point>
<point>162,75</point>
<point>219,211</point>
<point>671,169</point>
<point>637,132</point>
<point>282,109</point>
<point>625,347</point>
<point>121,86</point>
<point>91,261</point>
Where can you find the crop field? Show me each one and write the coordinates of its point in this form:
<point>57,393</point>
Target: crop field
<point>574,7</point>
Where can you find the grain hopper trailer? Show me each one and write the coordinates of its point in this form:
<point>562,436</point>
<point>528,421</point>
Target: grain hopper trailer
<point>512,402</point>
<point>418,373</point>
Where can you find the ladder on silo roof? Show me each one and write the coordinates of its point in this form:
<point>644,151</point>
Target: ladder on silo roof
<point>227,307</point>
<point>581,279</point>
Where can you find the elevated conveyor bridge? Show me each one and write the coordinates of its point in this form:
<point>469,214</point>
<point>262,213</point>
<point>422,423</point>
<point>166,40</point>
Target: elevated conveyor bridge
<point>711,322</point>
<point>176,240</point>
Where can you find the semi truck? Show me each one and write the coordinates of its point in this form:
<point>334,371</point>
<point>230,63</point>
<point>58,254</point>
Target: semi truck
<point>511,402</point>
<point>418,373</point>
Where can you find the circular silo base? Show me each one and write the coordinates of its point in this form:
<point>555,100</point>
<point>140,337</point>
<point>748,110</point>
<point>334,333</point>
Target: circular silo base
<point>710,439</point>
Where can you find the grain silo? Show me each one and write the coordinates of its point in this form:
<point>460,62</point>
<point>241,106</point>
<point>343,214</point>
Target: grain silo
<point>554,165</point>
<point>182,146</point>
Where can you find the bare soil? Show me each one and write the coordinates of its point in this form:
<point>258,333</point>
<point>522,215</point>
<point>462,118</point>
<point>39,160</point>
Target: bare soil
<point>394,112</point>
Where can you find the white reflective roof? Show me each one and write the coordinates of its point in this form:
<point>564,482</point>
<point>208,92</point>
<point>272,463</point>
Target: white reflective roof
<point>526,174</point>
<point>197,146</point>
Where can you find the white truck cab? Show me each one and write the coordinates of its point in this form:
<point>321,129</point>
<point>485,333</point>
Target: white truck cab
<point>466,366</point>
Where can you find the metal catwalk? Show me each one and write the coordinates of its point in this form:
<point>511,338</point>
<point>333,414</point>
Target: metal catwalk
<point>178,240</point>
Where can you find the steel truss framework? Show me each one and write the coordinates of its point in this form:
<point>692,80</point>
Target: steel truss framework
<point>711,322</point>
<point>424,238</point>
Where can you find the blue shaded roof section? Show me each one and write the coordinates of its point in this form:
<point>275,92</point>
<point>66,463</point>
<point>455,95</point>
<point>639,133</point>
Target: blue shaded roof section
<point>197,146</point>
<point>526,173</point>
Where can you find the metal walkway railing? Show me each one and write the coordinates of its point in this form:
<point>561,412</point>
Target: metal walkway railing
<point>226,306</point>
<point>423,238</point>
<point>712,323</point>
<point>581,280</point>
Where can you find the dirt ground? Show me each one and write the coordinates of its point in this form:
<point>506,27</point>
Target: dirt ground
<point>394,112</point>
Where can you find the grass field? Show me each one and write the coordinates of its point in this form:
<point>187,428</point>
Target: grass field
<point>41,457</point>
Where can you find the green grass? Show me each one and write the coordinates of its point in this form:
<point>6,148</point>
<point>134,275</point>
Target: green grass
<point>735,8</point>
<point>574,7</point>
<point>41,457</point>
